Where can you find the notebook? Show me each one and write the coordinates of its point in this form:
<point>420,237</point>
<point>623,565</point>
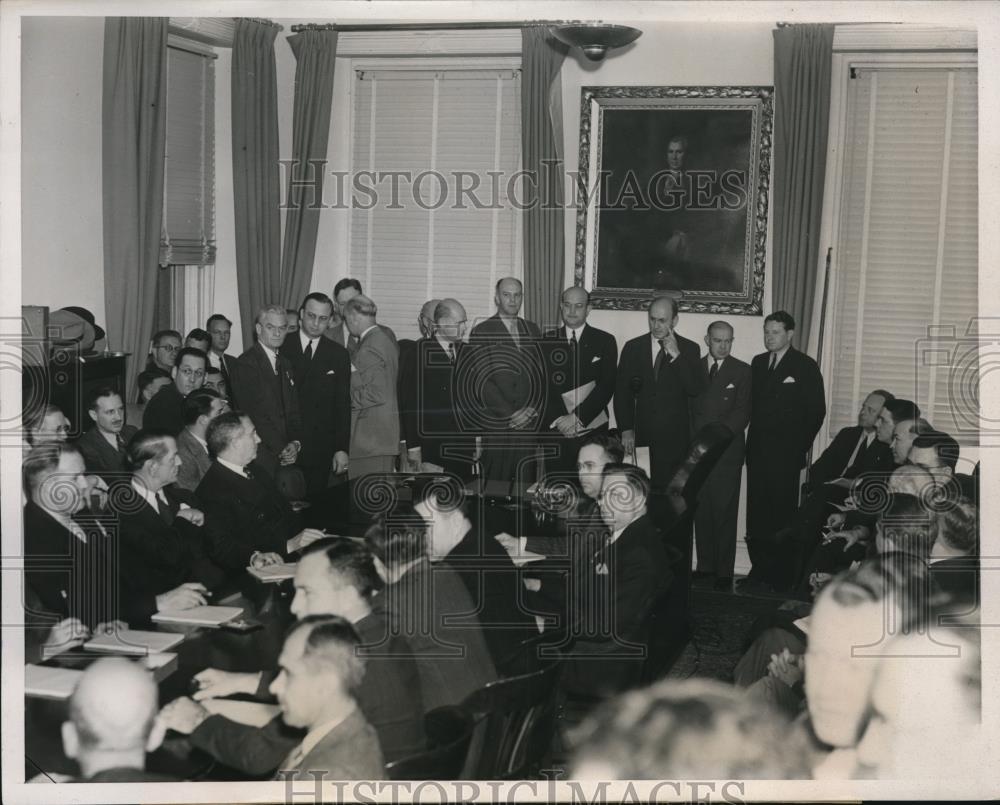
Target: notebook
<point>273,573</point>
<point>134,641</point>
<point>199,616</point>
<point>254,714</point>
<point>50,683</point>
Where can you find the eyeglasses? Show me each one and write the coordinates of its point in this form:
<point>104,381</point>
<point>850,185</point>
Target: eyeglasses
<point>169,347</point>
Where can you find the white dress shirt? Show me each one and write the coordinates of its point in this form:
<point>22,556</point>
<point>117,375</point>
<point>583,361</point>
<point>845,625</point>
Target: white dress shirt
<point>272,356</point>
<point>780,354</point>
<point>154,499</point>
<point>234,467</point>
<point>304,340</point>
<point>578,331</point>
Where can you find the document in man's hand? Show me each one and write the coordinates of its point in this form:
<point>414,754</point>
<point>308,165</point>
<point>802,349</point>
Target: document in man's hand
<point>571,399</point>
<point>270,574</point>
<point>199,616</point>
<point>50,683</point>
<point>134,641</point>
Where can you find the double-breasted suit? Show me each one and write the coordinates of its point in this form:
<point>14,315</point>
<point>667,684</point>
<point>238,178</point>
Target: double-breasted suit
<point>726,400</point>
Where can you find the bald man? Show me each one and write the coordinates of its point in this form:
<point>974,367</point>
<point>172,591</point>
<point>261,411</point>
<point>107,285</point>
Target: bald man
<point>112,723</point>
<point>432,423</point>
<point>576,355</point>
<point>659,374</point>
<point>503,387</point>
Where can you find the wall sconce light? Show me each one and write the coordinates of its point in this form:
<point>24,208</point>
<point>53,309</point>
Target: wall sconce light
<point>594,38</point>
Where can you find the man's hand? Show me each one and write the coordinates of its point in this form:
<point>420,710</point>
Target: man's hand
<point>215,684</point>
<point>522,418</point>
<point>289,454</point>
<point>305,537</point>
<point>183,715</point>
<point>259,559</point>
<point>193,516</point>
<point>97,486</point>
<point>836,520</point>
<point>568,425</point>
<point>188,596</point>
<point>843,483</point>
<point>110,627</point>
<point>628,442</point>
<point>340,462</point>
<point>786,667</point>
<point>66,634</point>
<point>414,458</point>
<point>670,345</point>
<point>853,536</point>
<point>532,585</point>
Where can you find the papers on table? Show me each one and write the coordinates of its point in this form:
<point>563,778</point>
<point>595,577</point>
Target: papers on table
<point>134,641</point>
<point>254,714</point>
<point>50,683</point>
<point>199,616</point>
<point>273,573</point>
<point>515,547</point>
<point>571,399</point>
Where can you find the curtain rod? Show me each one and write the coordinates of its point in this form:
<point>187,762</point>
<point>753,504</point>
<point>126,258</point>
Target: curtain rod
<point>262,21</point>
<point>423,26</point>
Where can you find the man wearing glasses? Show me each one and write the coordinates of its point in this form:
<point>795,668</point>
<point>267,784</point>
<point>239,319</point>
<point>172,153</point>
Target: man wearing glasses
<point>166,345</point>
<point>166,410</point>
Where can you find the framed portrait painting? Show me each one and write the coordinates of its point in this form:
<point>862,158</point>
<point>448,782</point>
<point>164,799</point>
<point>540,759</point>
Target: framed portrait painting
<point>673,196</point>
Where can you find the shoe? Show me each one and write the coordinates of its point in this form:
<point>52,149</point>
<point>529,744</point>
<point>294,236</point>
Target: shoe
<point>723,584</point>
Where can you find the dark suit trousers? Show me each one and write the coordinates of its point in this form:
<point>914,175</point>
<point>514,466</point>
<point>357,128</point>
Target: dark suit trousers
<point>807,530</point>
<point>716,516</point>
<point>772,500</point>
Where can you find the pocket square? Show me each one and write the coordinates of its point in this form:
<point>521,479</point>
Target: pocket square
<point>730,386</point>
<point>788,379</point>
<point>595,359</point>
<point>331,372</point>
<point>602,569</point>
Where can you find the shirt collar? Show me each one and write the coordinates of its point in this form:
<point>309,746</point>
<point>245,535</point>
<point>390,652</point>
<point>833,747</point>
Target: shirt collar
<point>442,343</point>
<point>234,467</point>
<point>110,438</point>
<point>272,355</point>
<point>147,494</point>
<point>198,439</point>
<point>780,353</point>
<point>577,330</point>
<point>305,340</point>
<point>320,731</point>
<point>362,336</point>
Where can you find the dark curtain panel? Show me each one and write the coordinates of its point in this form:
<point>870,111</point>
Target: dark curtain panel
<point>133,142</point>
<point>803,55</point>
<point>541,149</point>
<point>315,55</point>
<point>255,170</point>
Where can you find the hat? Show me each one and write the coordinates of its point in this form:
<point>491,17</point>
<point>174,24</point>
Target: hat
<point>87,316</point>
<point>73,327</point>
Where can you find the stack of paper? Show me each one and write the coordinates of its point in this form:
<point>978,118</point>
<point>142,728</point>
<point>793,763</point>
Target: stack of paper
<point>273,573</point>
<point>199,616</point>
<point>133,641</point>
<point>50,683</point>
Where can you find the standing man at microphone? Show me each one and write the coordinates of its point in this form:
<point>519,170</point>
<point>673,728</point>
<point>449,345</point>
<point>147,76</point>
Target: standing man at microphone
<point>658,375</point>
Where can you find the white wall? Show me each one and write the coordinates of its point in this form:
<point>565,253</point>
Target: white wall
<point>62,240</point>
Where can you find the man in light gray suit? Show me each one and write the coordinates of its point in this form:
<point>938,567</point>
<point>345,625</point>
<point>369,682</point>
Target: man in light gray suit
<point>345,290</point>
<point>200,408</point>
<point>374,404</point>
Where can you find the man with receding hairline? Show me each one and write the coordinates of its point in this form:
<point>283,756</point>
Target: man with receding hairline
<point>112,723</point>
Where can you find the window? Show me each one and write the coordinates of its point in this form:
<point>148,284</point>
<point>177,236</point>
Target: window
<point>461,124</point>
<point>904,291</point>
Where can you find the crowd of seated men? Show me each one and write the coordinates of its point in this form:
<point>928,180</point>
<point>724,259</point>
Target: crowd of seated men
<point>435,602</point>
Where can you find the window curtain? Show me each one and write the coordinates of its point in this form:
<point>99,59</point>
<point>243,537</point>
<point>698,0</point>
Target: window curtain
<point>133,147</point>
<point>541,151</point>
<point>315,57</point>
<point>803,56</point>
<point>255,169</point>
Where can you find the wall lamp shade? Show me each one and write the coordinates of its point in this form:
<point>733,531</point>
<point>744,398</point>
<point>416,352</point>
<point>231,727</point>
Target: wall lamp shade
<point>595,39</point>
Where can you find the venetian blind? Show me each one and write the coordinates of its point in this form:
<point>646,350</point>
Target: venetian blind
<point>442,129</point>
<point>188,234</point>
<point>907,266</point>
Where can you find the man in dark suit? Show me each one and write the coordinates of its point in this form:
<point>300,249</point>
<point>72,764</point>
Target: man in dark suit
<point>374,399</point>
<point>576,355</point>
<point>658,375</point>
<point>220,329</point>
<point>429,606</point>
<point>68,557</point>
<point>322,371</point>
<point>788,408</point>
<point>726,399</point>
<point>163,557</point>
<point>503,388</point>
<point>103,446</point>
<point>166,410</point>
<point>112,723</point>
<point>265,387</point>
<point>431,421</point>
<point>200,408</point>
<point>320,670</point>
<point>248,514</point>
<point>626,575</point>
<point>408,371</point>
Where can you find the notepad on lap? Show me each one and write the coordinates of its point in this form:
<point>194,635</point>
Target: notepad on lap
<point>199,616</point>
<point>50,683</point>
<point>254,714</point>
<point>133,641</point>
<point>273,573</point>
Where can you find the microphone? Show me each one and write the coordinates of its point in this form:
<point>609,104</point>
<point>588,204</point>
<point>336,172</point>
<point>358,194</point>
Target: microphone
<point>635,386</point>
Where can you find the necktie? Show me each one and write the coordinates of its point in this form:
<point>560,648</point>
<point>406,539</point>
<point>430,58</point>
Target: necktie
<point>774,362</point>
<point>163,508</point>
<point>714,370</point>
<point>661,356</point>
<point>573,342</point>
<point>852,470</point>
<point>309,351</point>
<point>515,333</point>
<point>451,352</point>
<point>248,472</point>
<point>353,342</point>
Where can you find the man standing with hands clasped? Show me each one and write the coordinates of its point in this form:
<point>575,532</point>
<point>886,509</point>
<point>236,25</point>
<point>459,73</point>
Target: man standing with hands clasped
<point>658,375</point>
